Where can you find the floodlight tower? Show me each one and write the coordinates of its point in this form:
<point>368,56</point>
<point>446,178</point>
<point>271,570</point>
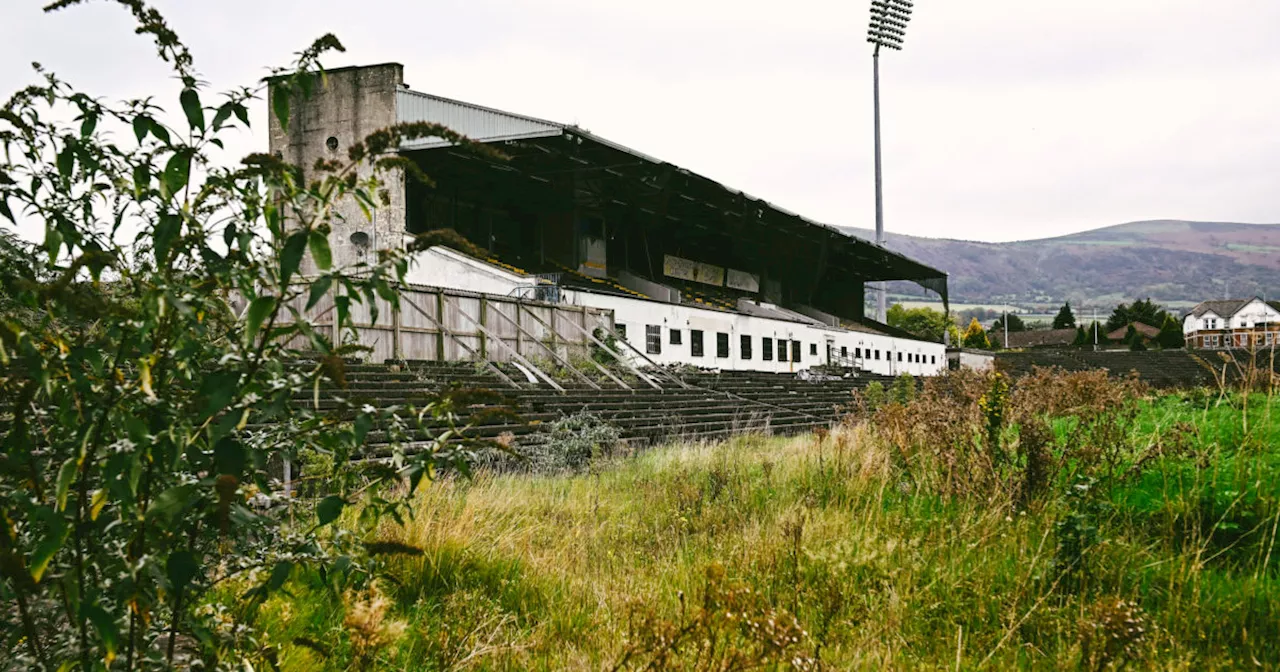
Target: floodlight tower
<point>888,28</point>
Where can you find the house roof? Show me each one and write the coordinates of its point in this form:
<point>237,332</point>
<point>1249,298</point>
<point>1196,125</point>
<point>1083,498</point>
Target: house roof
<point>1036,338</point>
<point>1224,308</point>
<point>1141,327</point>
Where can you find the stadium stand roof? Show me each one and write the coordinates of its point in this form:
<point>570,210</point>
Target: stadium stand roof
<point>837,250</point>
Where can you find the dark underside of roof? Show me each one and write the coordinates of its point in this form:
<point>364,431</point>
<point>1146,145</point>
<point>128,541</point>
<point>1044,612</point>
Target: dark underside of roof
<point>666,209</point>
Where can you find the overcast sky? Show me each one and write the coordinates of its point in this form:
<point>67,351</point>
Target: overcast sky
<point>1003,119</point>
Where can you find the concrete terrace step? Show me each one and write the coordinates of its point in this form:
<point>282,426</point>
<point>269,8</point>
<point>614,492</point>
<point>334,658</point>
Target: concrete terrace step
<point>714,405</point>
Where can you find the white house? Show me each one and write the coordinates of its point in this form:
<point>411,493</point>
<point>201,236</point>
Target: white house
<point>1232,323</point>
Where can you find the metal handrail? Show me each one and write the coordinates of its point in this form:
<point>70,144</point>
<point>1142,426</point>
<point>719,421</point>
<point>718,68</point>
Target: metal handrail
<point>440,325</point>
<point>520,358</point>
<point>618,356</point>
<point>552,329</point>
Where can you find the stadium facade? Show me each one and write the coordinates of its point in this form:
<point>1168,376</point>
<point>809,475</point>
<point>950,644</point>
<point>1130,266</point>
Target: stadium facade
<point>694,272</point>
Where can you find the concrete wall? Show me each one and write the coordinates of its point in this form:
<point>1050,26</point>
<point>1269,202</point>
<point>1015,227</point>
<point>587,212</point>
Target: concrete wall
<point>443,267</point>
<point>967,359</point>
<point>895,355</point>
<point>353,103</point>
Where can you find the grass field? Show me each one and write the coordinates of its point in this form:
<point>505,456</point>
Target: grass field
<point>1136,534</point>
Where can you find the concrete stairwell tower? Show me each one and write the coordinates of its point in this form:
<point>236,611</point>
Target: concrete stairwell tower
<point>350,104</point>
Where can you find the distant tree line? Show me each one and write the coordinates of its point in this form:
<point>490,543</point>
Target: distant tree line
<point>932,324</point>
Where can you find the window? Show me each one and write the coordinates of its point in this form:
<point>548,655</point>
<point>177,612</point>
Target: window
<point>722,345</point>
<point>675,336</point>
<point>622,330</point>
<point>744,347</point>
<point>795,351</point>
<point>1269,338</point>
<point>813,349</point>
<point>899,356</point>
<point>933,359</point>
<point>695,342</point>
<point>844,351</point>
<point>782,350</point>
<point>877,355</point>
<point>1213,341</point>
<point>857,353</point>
<point>653,339</point>
<point>766,349</point>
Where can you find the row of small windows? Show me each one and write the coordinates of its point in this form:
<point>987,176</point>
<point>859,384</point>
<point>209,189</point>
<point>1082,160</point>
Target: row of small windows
<point>653,346</point>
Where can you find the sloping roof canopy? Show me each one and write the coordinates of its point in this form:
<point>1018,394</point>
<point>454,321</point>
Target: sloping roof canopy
<point>1224,309</point>
<point>484,124</point>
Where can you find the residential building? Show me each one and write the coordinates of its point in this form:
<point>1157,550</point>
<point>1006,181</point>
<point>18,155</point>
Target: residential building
<point>1232,323</point>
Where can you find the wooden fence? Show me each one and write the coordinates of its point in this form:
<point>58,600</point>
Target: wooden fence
<point>452,325</point>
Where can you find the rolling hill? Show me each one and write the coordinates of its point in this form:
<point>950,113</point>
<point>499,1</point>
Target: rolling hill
<point>1176,263</point>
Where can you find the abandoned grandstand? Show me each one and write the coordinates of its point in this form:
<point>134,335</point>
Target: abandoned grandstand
<point>572,239</point>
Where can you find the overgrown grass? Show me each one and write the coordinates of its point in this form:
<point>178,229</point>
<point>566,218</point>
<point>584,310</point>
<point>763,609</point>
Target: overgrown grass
<point>833,552</point>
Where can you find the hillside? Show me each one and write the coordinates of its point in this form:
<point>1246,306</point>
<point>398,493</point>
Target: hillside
<point>1177,263</point>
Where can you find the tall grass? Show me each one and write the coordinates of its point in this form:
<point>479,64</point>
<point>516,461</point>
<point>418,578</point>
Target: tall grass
<point>1148,541</point>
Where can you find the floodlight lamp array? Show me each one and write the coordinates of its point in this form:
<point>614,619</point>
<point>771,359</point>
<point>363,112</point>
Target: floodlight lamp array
<point>889,20</point>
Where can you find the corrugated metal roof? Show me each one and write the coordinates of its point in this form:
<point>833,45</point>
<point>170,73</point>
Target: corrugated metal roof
<point>482,124</point>
<point>487,124</point>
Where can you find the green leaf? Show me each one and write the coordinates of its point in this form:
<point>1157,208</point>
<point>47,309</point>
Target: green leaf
<point>242,113</point>
<point>177,171</point>
<point>279,574</point>
<point>320,252</point>
<point>318,289</point>
<point>364,422</point>
<point>107,630</point>
<point>88,125</point>
<point>259,309</point>
<point>158,130</point>
<point>280,105</point>
<point>228,457</point>
<point>181,568</point>
<point>66,476</point>
<point>141,177</point>
<point>217,390</point>
<point>4,210</point>
<point>291,256</point>
<point>166,231</point>
<point>66,161</point>
<point>141,124</point>
<point>329,509</point>
<point>190,99</point>
<point>170,501</point>
<point>49,546</point>
<point>52,241</point>
<point>221,116</point>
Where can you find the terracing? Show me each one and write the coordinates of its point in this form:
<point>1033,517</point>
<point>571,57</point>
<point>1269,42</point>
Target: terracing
<point>1158,368</point>
<point>691,406</point>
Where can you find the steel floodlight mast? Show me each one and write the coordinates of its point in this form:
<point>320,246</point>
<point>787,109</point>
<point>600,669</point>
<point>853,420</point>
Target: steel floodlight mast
<point>888,27</point>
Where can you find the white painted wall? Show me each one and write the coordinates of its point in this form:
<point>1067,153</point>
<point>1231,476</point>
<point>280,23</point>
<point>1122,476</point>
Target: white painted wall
<point>1255,312</point>
<point>1252,314</point>
<point>978,361</point>
<point>443,267</point>
<point>895,355</point>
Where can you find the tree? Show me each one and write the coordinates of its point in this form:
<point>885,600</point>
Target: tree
<point>1015,324</point>
<point>151,350</point>
<point>1065,319</point>
<point>1144,311</point>
<point>1082,337</point>
<point>923,322</point>
<point>975,336</point>
<point>1170,336</point>
<point>1131,336</point>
